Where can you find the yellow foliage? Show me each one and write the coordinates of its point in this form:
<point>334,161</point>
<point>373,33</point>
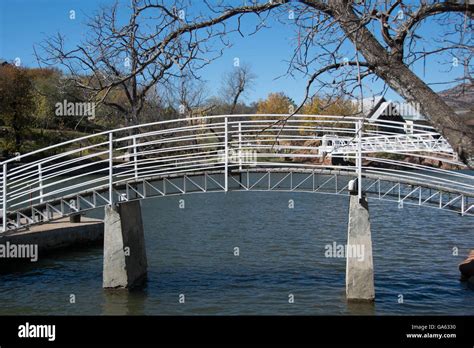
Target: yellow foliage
<point>326,106</point>
<point>276,103</point>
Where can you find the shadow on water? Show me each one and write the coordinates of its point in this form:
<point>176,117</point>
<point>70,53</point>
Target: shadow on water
<point>51,258</point>
<point>470,283</point>
<point>360,308</point>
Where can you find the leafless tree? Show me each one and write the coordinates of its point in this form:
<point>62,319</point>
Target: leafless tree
<point>120,62</point>
<point>344,42</point>
<point>236,84</point>
<point>187,95</point>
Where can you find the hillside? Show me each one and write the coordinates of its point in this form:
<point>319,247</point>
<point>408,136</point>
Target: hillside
<point>461,99</point>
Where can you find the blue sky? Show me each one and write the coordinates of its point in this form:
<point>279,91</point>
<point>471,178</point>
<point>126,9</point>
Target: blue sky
<point>24,23</point>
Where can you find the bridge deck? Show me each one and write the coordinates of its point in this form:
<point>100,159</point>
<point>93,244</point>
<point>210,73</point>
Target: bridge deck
<point>230,153</point>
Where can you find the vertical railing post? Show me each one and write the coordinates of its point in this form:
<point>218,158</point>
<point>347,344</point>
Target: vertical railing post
<point>240,146</point>
<point>4,198</point>
<point>226,154</point>
<point>135,164</point>
<point>359,158</point>
<point>40,180</point>
<point>111,167</point>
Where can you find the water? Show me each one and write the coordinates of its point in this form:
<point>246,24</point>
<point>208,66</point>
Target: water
<point>191,252</point>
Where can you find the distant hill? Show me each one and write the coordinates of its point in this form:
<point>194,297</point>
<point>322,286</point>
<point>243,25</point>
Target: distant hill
<point>461,99</point>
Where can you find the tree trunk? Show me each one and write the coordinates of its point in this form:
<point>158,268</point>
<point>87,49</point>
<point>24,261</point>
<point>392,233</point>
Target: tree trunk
<point>134,115</point>
<point>234,102</point>
<point>401,79</point>
<point>17,132</point>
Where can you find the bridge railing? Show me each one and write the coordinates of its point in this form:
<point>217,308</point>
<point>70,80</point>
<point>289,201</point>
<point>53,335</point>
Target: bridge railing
<point>227,143</point>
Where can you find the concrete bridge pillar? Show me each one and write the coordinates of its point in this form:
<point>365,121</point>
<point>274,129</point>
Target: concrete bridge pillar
<point>125,262</point>
<point>359,262</point>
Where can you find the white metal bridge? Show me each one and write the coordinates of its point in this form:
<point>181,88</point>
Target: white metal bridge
<point>305,153</point>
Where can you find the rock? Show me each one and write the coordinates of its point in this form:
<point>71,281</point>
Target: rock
<point>467,267</point>
<point>449,166</point>
<point>430,162</point>
<point>310,152</point>
<point>412,159</point>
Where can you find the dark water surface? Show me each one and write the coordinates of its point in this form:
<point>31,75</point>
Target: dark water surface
<point>282,251</point>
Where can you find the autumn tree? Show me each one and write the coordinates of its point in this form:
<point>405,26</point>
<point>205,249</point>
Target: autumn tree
<point>46,93</point>
<point>16,105</point>
<point>276,103</point>
<point>329,105</point>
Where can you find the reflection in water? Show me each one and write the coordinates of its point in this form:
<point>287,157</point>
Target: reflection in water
<point>124,302</point>
<point>361,307</point>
